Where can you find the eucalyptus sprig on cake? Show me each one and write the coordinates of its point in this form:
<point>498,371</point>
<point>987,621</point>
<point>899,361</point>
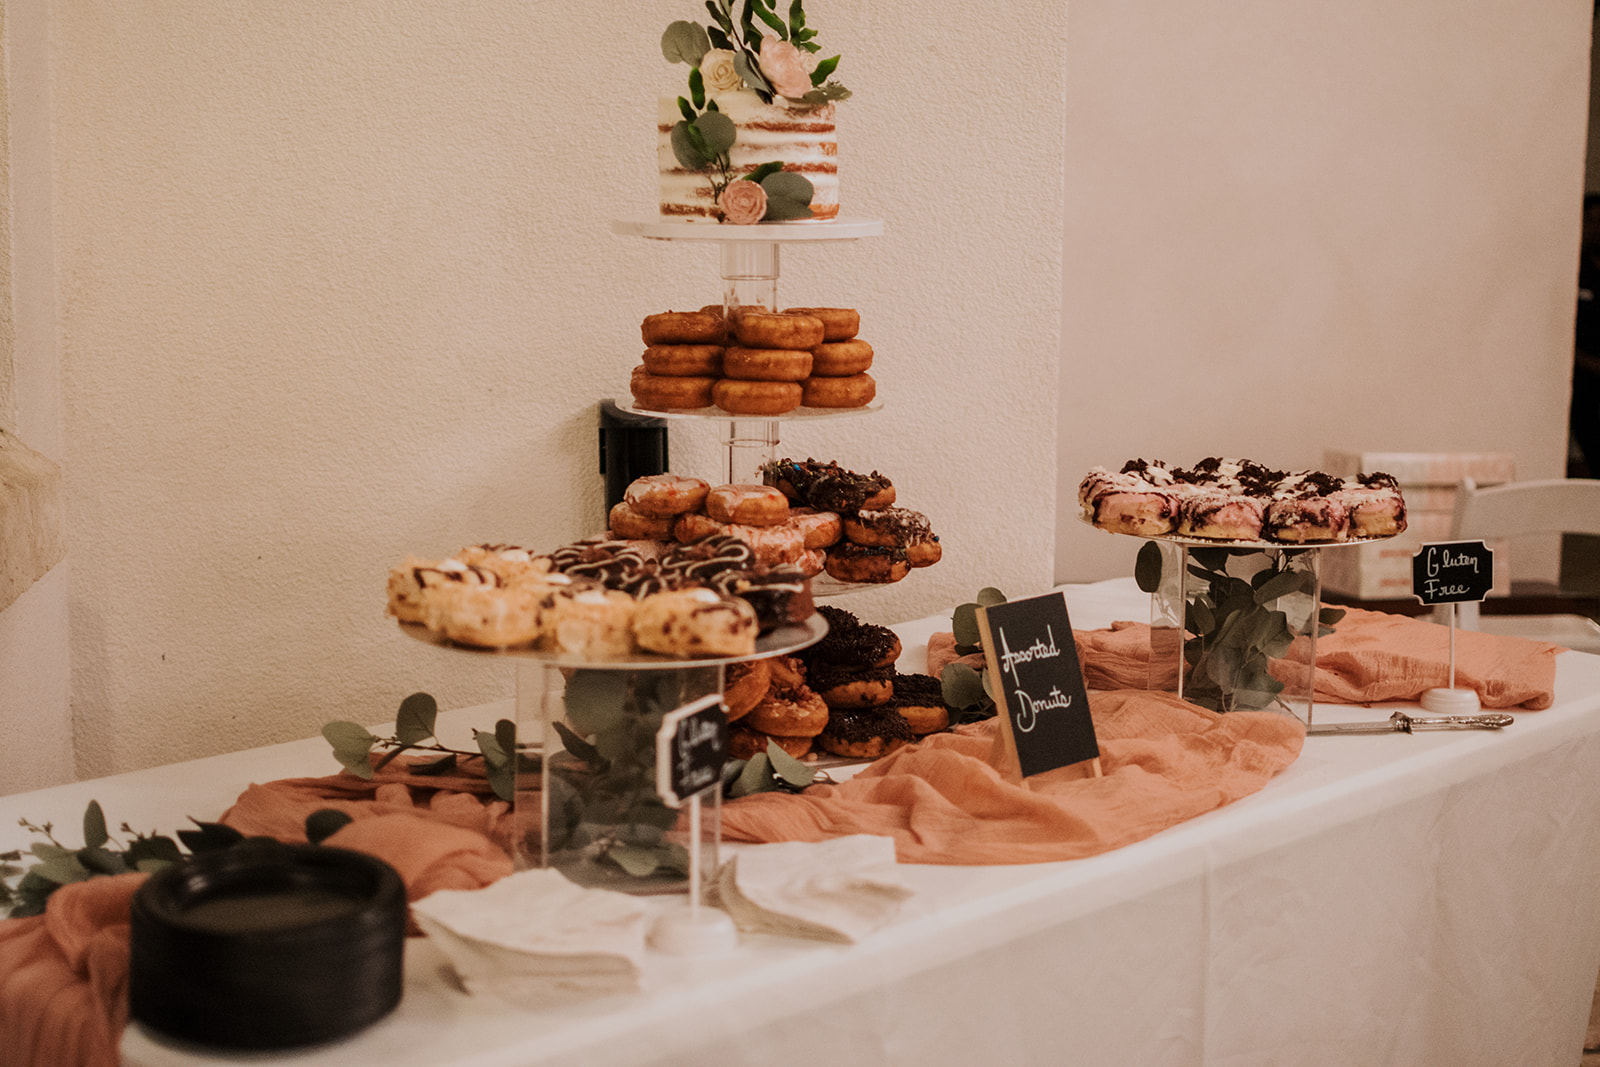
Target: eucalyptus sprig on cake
<point>750,71</point>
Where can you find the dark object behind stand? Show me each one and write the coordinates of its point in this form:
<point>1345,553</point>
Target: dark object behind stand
<point>631,446</point>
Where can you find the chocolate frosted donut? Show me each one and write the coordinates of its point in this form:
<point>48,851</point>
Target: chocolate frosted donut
<point>828,486</point>
<point>919,698</point>
<point>864,734</point>
<point>851,642</point>
<point>842,686</point>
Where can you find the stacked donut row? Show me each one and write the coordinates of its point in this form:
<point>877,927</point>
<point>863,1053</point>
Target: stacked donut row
<point>695,604</point>
<point>841,695</point>
<point>880,541</point>
<point>753,362</point>
<point>863,538</point>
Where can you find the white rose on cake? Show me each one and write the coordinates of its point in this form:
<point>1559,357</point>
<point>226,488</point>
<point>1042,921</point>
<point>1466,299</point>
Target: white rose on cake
<point>719,72</point>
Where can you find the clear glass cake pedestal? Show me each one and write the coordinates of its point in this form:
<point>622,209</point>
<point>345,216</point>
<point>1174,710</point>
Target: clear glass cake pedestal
<point>1234,624</point>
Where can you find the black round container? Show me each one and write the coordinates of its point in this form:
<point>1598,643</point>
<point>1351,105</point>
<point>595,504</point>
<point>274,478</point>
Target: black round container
<point>267,946</point>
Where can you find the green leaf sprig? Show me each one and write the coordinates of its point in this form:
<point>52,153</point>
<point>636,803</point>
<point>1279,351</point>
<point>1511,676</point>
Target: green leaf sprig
<point>966,691</point>
<point>102,855</point>
<point>355,747</point>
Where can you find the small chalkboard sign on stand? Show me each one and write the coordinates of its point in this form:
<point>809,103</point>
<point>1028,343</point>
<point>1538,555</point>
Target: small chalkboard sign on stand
<point>1038,685</point>
<point>691,747</point>
<point>1452,572</point>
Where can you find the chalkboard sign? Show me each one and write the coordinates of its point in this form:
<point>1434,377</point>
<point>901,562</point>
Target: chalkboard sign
<point>1452,572</point>
<point>1033,667</point>
<point>691,747</point>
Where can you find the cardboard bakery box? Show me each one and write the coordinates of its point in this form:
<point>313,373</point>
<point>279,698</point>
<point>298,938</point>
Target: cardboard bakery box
<point>1382,570</point>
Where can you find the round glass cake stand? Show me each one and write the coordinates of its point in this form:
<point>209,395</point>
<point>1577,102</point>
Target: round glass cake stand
<point>749,253</point>
<point>585,800</point>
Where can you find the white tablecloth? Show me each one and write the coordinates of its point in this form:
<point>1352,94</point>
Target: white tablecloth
<point>1399,899</point>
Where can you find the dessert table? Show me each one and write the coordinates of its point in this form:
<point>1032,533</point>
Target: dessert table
<point>1412,899</point>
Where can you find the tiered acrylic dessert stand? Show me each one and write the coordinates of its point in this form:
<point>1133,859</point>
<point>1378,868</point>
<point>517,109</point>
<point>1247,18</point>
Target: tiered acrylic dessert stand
<point>585,800</point>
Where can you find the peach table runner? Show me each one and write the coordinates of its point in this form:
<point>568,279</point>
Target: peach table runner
<point>64,974</point>
<point>1370,657</point>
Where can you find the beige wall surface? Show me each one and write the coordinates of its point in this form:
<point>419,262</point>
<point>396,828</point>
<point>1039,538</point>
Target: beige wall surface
<point>1293,227</point>
<point>338,284</point>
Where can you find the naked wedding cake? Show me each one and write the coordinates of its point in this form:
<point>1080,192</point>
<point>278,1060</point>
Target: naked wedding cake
<point>755,138</point>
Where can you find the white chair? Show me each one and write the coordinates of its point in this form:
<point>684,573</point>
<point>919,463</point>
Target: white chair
<point>1556,505</point>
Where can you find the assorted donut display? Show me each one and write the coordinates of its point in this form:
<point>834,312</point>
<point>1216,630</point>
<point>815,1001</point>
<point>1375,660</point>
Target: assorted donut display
<point>1241,500</point>
<point>753,362</point>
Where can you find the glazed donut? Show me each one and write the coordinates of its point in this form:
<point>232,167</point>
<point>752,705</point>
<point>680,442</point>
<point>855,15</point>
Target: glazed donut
<point>842,686</point>
<point>660,392</point>
<point>745,743</point>
<point>745,684</point>
<point>820,528</point>
<point>685,361</point>
<point>766,364</point>
<point>896,528</point>
<point>757,328</point>
<point>663,495</point>
<point>840,359</point>
<point>811,561</point>
<point>865,734</point>
<point>796,712</point>
<point>755,505</point>
<point>684,328</point>
<point>772,544</point>
<point>853,392</point>
<point>693,623</point>
<point>695,526</point>
<point>871,564</point>
<point>738,397</point>
<point>838,324</point>
<point>626,521</point>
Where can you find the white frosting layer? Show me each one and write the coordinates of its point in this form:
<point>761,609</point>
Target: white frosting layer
<point>803,138</point>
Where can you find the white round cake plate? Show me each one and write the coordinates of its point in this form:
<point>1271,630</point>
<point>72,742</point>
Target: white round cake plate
<point>781,640</point>
<point>844,228</point>
<point>797,415</point>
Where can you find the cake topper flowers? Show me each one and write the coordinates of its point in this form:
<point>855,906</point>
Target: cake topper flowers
<point>733,54</point>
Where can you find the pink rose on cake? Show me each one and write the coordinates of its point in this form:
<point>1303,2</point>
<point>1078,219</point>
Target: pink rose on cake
<point>743,203</point>
<point>720,72</point>
<point>783,67</point>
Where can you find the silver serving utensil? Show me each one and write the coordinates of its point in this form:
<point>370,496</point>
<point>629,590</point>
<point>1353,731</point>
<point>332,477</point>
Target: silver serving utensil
<point>1402,723</point>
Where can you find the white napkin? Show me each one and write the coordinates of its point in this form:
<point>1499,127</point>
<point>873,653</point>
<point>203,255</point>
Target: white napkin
<point>841,889</point>
<point>535,934</point>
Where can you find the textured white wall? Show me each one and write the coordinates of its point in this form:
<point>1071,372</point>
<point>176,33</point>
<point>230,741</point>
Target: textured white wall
<point>338,284</point>
<point>1333,224</point>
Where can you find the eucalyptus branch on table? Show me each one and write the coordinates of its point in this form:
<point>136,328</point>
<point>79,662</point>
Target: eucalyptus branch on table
<point>101,855</point>
<point>965,690</point>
